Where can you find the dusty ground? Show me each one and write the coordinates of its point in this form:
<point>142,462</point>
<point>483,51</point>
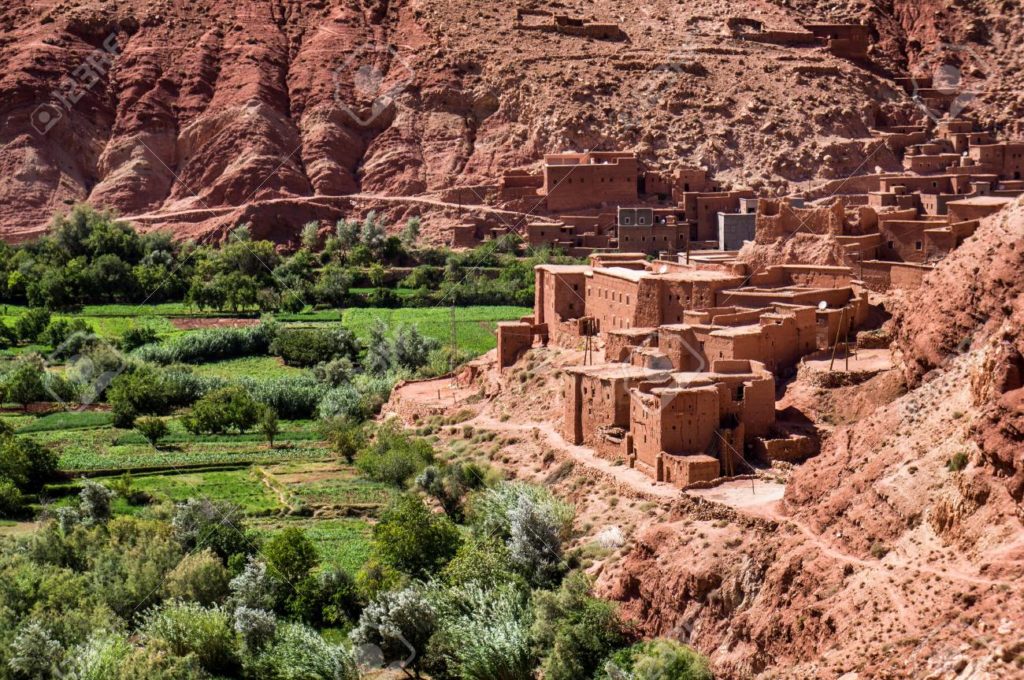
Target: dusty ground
<point>863,565</point>
<point>193,323</point>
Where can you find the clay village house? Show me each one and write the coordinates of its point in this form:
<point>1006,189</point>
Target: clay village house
<point>693,338</point>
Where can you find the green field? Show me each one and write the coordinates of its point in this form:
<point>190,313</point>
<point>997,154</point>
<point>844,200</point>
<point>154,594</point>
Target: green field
<point>474,326</point>
<point>300,482</point>
<point>248,367</point>
<point>242,487</point>
<point>342,542</point>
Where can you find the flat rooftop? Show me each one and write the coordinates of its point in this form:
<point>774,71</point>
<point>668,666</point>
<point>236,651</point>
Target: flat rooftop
<point>982,200</point>
<point>565,268</point>
<point>617,370</point>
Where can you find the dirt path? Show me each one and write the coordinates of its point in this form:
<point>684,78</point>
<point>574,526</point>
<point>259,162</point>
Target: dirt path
<point>205,213</point>
<point>892,560</point>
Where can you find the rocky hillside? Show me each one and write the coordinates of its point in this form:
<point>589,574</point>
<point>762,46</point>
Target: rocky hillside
<point>899,550</point>
<point>193,116</point>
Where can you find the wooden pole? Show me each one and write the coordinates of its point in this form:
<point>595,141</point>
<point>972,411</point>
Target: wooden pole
<point>846,346</point>
<point>835,345</point>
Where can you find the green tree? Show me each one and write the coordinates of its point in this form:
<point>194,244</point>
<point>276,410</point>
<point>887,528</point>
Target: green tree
<point>414,540</point>
<point>221,410</point>
<point>411,232</point>
<point>24,384</point>
<point>310,236</point>
<point>269,425</point>
<point>153,429</point>
<point>657,660</point>
<point>199,577</point>
<point>290,555</point>
<point>574,630</point>
<point>30,325</point>
<point>189,628</point>
<point>394,456</point>
<point>344,435</point>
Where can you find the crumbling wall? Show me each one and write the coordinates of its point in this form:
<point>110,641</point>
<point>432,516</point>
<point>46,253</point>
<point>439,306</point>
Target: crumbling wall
<point>514,338</point>
<point>779,219</point>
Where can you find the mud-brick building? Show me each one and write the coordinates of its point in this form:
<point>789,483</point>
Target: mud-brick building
<point>574,181</point>
<point>619,298</point>
<point>677,427</point>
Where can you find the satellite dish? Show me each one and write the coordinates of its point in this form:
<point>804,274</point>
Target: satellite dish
<point>823,305</point>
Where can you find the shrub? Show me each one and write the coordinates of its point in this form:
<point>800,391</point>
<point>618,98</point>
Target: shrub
<point>399,624</point>
<point>199,577</point>
<point>154,391</point>
<point>327,598</point>
<point>24,383</point>
<point>290,555</point>
<point>153,429</point>
<point>394,457</point>
<point>100,658</point>
<point>300,653</point>
<point>94,505</point>
<point>449,484</point>
<point>485,633</point>
<point>188,628</point>
<point>137,336</point>
<point>655,660</point>
<point>269,425</point>
<point>30,325</point>
<point>215,344</point>
<point>344,435</point>
<point>577,630</point>
<point>332,284</point>
<point>255,587</point>
<point>311,346</point>
<point>292,397</point>
<point>26,462</point>
<point>222,410</point>
<point>218,525</point>
<point>414,540</point>
<point>11,499</point>
<point>481,560</point>
<point>958,461</point>
<point>71,337</point>
<point>34,653</point>
<point>128,561</point>
<point>335,372</point>
<point>256,627</point>
<point>531,522</point>
<point>411,349</point>
<point>380,355</point>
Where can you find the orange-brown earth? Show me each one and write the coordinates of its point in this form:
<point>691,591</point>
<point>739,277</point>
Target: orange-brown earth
<point>897,552</point>
<point>211,113</point>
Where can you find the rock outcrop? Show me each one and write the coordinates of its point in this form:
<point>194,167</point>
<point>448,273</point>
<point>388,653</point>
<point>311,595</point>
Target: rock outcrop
<point>192,116</point>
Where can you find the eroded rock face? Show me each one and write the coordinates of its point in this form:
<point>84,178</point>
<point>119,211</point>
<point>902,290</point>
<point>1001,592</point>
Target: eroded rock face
<point>193,110</point>
<point>977,319</point>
